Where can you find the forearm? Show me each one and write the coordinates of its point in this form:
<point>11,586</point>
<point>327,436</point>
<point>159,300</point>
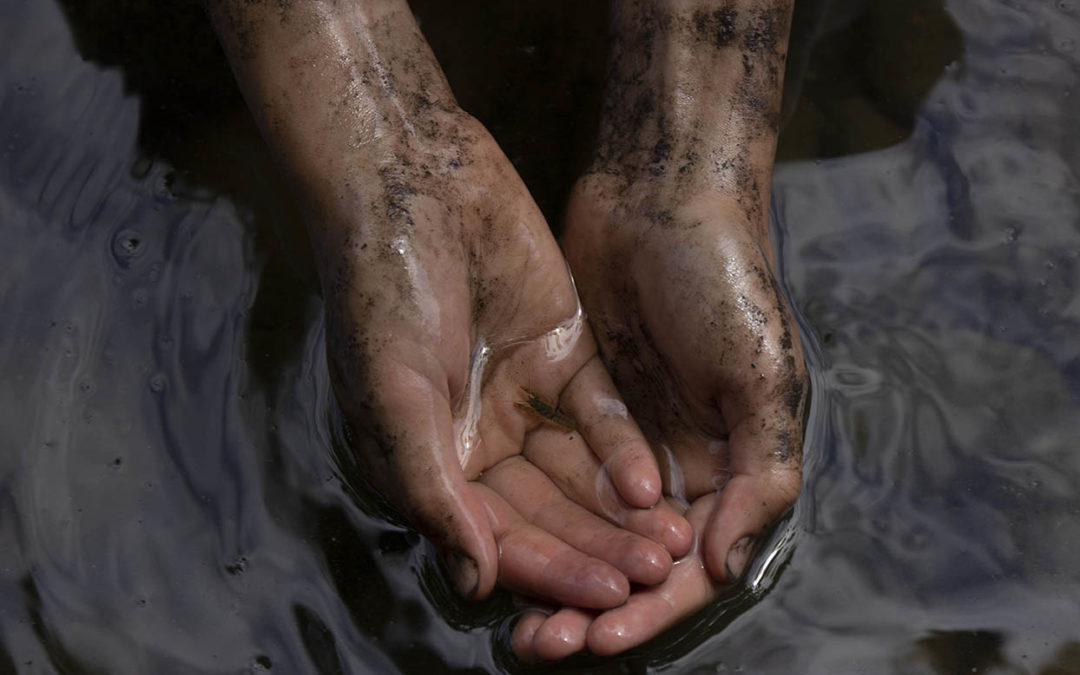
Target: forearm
<point>693,95</point>
<point>337,88</point>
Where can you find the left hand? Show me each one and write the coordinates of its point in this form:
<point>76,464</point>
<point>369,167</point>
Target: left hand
<point>698,337</point>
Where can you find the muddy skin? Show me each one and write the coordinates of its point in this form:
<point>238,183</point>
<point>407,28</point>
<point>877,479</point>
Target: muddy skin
<point>430,252</point>
<point>668,238</point>
<point>660,57</point>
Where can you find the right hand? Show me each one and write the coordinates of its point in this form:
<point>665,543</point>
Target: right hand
<point>430,250</point>
<point>701,342</point>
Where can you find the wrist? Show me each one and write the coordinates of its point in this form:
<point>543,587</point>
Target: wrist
<point>347,95</point>
<point>605,208</point>
<point>332,84</point>
<point>693,93</point>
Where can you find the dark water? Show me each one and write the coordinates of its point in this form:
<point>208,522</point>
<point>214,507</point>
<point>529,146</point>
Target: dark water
<point>176,498</point>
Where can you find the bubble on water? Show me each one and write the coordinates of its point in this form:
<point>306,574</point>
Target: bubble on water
<point>127,246</point>
<point>157,383</point>
<point>237,566</point>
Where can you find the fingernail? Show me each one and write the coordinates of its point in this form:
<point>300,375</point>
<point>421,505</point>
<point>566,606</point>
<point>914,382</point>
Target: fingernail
<point>464,573</point>
<point>737,558</point>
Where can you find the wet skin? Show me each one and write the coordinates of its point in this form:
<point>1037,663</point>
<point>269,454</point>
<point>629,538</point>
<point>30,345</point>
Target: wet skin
<point>445,295</point>
<point>667,236</point>
<point>447,298</point>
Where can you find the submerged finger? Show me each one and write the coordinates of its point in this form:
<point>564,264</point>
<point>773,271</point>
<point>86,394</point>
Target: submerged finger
<point>563,633</point>
<point>536,563</point>
<point>521,639</point>
<point>649,612</point>
<point>540,502</point>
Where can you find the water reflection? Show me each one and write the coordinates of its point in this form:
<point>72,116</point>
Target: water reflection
<point>176,492</point>
<point>858,72</point>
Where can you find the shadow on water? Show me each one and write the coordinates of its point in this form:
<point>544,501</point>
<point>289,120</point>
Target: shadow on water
<point>859,71</point>
<point>177,496</point>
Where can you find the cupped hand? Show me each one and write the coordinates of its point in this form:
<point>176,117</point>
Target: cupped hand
<point>454,334</point>
<point>683,300</point>
<point>456,340</point>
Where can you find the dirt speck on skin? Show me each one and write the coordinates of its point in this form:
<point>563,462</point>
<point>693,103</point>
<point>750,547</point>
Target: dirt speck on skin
<point>794,397</point>
<point>765,30</point>
<point>784,451</point>
<point>641,138</point>
<point>644,378</point>
<point>716,27</point>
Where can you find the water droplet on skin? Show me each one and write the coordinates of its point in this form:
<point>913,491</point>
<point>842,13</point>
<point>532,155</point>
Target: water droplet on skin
<point>610,407</point>
<point>466,429</point>
<point>675,479</point>
<point>720,479</point>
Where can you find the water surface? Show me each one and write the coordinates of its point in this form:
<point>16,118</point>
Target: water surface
<point>176,496</point>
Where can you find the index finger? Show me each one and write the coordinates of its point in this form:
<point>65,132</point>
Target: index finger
<point>605,423</point>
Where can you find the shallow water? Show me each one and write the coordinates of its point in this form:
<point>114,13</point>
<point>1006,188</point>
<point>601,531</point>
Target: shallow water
<point>176,498</point>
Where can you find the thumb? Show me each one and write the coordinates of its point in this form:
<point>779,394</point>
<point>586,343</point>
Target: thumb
<point>761,489</point>
<point>412,423</point>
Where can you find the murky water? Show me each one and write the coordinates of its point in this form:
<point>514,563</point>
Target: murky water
<point>176,498</point>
